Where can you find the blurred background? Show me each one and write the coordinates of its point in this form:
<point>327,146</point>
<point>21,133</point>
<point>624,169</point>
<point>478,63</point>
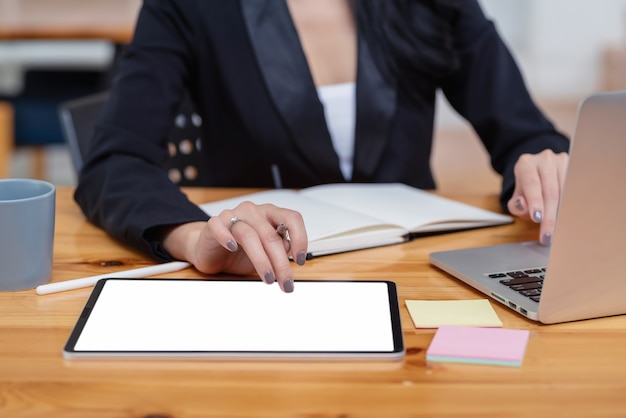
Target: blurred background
<point>52,51</point>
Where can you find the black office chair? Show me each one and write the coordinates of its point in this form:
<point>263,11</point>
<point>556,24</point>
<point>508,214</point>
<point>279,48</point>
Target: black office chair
<point>78,117</point>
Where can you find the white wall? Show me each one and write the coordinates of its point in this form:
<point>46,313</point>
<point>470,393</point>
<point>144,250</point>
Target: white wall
<point>559,43</point>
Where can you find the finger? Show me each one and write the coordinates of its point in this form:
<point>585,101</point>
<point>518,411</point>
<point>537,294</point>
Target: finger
<point>291,233</point>
<point>256,230</point>
<point>517,204</point>
<point>276,244</point>
<point>529,182</point>
<point>234,232</point>
<point>250,240</point>
<point>551,192</point>
<point>294,225</point>
<point>552,174</point>
<point>220,230</point>
<point>263,245</point>
<point>211,256</point>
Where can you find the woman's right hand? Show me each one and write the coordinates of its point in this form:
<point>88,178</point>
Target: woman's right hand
<point>248,239</point>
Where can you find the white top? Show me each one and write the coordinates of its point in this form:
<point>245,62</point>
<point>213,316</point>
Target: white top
<point>339,101</point>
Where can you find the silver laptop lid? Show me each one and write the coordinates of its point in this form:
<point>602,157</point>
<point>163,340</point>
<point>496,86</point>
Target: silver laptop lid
<point>586,278</point>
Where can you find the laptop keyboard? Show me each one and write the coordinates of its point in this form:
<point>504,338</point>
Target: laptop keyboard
<point>527,282</point>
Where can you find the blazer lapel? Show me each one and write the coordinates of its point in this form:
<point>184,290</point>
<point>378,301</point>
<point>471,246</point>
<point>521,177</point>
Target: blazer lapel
<point>289,82</point>
<point>285,70</point>
<point>375,106</point>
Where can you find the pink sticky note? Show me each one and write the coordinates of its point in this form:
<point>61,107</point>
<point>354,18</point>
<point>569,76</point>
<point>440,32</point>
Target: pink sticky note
<point>496,346</point>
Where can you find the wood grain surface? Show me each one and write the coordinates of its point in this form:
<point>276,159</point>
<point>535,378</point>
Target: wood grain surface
<point>570,370</point>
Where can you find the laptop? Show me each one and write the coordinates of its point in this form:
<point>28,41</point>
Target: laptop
<point>582,275</point>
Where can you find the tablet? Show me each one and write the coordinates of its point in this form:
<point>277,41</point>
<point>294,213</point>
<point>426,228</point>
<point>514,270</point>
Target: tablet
<point>238,319</point>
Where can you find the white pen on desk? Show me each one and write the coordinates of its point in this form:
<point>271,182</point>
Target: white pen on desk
<point>170,267</point>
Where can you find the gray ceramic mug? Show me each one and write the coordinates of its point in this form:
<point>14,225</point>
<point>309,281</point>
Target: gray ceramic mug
<point>27,211</point>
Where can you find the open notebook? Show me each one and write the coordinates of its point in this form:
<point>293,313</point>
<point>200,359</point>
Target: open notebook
<point>345,216</point>
<point>581,275</point>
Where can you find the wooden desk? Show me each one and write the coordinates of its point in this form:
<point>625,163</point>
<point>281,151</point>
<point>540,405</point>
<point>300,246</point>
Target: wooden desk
<point>113,20</point>
<point>575,369</point>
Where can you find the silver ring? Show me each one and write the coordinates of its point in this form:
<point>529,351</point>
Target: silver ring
<point>233,221</point>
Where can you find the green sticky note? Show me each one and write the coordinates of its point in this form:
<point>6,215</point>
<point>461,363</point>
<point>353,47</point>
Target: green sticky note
<point>435,313</point>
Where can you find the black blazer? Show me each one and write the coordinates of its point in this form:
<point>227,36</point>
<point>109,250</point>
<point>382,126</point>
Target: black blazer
<point>243,65</point>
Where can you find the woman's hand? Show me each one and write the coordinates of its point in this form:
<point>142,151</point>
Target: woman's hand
<point>247,239</point>
<point>538,186</point>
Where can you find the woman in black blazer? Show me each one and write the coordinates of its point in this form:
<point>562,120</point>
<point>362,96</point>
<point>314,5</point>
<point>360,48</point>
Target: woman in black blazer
<point>261,74</point>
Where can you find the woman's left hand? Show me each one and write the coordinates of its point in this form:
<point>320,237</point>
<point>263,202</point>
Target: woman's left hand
<point>538,186</point>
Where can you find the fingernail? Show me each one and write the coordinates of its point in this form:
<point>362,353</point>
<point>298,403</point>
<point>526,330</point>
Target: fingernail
<point>546,239</point>
<point>537,216</point>
<point>288,286</point>
<point>232,245</point>
<point>301,258</point>
<point>269,277</point>
<point>518,204</point>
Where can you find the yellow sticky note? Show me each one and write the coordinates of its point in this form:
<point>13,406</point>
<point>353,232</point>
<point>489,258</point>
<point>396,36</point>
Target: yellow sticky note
<point>434,313</point>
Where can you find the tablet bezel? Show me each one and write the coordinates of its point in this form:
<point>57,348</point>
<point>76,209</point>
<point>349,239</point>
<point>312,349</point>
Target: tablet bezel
<point>397,353</point>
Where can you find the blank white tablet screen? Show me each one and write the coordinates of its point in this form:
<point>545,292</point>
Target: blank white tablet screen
<point>163,315</point>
